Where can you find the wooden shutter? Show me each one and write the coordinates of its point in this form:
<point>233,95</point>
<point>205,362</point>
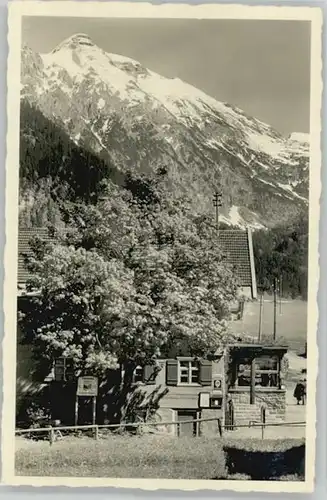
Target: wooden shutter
<point>205,372</point>
<point>69,370</point>
<point>149,374</point>
<point>172,372</point>
<point>59,369</point>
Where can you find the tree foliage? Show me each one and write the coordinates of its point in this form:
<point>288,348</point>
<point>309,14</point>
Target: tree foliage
<point>132,276</point>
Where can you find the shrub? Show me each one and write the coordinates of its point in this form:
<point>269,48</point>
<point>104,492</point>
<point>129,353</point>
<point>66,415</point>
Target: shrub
<point>34,409</point>
<point>266,460</point>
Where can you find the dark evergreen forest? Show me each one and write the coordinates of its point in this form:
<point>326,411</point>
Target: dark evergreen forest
<point>282,253</point>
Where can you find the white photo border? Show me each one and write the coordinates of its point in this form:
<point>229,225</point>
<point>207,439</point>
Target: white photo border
<point>17,10</point>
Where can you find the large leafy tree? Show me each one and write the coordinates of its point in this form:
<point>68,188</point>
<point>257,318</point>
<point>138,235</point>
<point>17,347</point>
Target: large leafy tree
<point>130,277</point>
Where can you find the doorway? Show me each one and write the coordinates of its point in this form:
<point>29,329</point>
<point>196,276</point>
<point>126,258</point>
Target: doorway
<point>186,425</point>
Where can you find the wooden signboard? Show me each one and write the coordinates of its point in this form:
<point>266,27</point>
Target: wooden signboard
<point>204,400</point>
<point>87,386</point>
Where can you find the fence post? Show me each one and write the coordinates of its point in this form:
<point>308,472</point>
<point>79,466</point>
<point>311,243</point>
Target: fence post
<point>96,432</point>
<point>220,429</point>
<point>51,435</point>
<point>263,421</point>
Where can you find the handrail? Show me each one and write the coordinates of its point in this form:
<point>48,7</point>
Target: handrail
<point>108,426</point>
<point>138,424</point>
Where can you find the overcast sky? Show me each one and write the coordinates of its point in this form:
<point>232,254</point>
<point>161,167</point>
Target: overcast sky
<point>262,67</point>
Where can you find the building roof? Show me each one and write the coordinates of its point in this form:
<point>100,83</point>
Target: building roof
<point>256,345</point>
<point>236,246</point>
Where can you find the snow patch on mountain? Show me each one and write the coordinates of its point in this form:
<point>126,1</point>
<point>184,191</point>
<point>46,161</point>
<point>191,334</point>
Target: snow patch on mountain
<point>101,103</point>
<point>234,218</point>
<point>288,188</point>
<point>265,144</point>
<point>300,137</point>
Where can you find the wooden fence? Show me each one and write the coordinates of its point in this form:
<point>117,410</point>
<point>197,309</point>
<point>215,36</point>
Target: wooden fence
<point>54,432</point>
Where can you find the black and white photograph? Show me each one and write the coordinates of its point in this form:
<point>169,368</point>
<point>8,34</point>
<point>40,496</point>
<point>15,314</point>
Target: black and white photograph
<point>163,183</point>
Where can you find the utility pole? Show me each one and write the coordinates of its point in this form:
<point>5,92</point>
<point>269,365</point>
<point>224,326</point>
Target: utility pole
<point>275,307</point>
<point>217,203</point>
<point>280,293</point>
<point>260,315</point>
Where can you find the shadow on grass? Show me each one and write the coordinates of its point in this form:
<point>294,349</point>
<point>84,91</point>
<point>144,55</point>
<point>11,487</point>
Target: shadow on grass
<point>265,465</point>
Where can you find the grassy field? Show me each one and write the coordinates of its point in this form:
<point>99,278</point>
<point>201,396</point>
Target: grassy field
<point>291,321</point>
<point>135,457</point>
<point>119,456</point>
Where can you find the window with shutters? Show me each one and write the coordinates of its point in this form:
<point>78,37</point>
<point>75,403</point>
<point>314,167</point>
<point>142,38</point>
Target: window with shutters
<point>188,371</point>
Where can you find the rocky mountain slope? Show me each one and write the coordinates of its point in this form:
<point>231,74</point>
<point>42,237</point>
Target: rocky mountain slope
<point>132,118</point>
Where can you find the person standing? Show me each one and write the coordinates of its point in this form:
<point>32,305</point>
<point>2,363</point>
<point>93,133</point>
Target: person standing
<point>300,392</point>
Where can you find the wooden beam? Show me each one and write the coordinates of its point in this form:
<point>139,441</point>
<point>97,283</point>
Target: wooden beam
<point>76,410</point>
<point>275,309</point>
<point>94,406</point>
<point>252,388</point>
<point>252,265</point>
<point>260,317</point>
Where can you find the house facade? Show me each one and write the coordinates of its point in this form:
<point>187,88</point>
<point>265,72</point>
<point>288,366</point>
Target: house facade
<point>232,386</point>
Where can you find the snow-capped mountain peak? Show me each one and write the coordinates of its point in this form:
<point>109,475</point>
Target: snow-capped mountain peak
<point>123,110</point>
<point>74,41</point>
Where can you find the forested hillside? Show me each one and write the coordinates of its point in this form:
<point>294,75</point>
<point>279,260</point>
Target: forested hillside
<point>55,172</point>
<point>54,169</point>
<point>282,252</point>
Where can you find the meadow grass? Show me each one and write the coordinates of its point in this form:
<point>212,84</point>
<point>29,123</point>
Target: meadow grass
<point>132,457</point>
<point>124,456</point>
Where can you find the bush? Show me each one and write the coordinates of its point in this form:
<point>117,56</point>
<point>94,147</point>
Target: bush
<point>266,460</point>
<point>34,409</point>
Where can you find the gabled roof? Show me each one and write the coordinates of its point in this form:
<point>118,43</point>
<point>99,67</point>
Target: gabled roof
<point>236,246</point>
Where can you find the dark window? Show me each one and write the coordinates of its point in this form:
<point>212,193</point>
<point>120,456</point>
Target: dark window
<point>266,372</point>
<point>138,374</point>
<point>187,424</point>
<point>63,369</point>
